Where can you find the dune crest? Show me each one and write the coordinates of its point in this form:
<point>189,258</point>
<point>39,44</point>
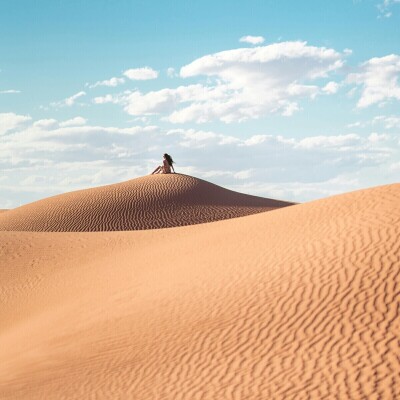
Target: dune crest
<point>299,303</point>
<point>149,202</point>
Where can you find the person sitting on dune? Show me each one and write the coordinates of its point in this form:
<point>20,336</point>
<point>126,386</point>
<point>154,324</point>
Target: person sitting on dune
<point>166,167</point>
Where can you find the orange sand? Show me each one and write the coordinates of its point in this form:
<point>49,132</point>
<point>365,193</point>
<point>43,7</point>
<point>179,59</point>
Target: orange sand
<point>155,201</point>
<point>298,303</point>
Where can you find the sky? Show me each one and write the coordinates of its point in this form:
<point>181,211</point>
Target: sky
<point>294,100</point>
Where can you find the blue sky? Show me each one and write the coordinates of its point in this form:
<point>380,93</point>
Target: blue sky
<point>295,100</point>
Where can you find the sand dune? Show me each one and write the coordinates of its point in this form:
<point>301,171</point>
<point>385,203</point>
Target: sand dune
<point>155,201</point>
<point>298,303</point>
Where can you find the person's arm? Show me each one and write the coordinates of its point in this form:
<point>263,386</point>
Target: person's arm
<point>173,169</point>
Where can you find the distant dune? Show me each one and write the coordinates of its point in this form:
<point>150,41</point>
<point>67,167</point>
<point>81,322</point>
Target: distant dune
<point>154,201</point>
<point>298,303</point>
<point>3,210</point>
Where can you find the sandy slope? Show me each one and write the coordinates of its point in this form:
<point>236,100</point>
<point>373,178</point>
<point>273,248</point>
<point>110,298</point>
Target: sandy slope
<point>298,303</point>
<point>155,201</point>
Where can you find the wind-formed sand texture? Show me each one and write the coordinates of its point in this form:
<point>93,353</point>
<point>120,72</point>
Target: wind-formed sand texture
<point>298,303</point>
<point>155,201</point>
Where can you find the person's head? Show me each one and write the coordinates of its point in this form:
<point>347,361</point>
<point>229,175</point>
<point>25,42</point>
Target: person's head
<point>169,159</point>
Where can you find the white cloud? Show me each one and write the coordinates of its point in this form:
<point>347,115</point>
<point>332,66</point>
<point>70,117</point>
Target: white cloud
<point>376,137</point>
<point>77,121</point>
<point>41,158</point>
<point>109,98</point>
<point>384,8</point>
<point>289,168</point>
<point>141,74</point>
<point>11,121</point>
<point>252,39</point>
<point>244,174</point>
<point>113,82</point>
<point>33,180</point>
<point>389,122</point>
<point>255,140</point>
<point>385,122</point>
<point>69,101</point>
<point>255,81</point>
<point>192,138</point>
<point>171,72</point>
<point>289,108</point>
<point>261,80</point>
<point>152,102</point>
<point>351,93</point>
<point>378,78</point>
<point>167,100</point>
<point>10,91</point>
<point>46,123</point>
<point>357,124</point>
<point>328,141</point>
<point>395,167</point>
<point>256,63</point>
<point>331,87</point>
<point>242,84</point>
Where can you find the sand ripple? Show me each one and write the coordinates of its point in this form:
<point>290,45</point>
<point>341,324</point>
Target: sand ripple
<point>299,303</point>
<point>150,202</point>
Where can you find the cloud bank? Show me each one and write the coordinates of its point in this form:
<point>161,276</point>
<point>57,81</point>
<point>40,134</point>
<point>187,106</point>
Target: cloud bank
<point>45,157</point>
<point>241,84</point>
<point>379,80</point>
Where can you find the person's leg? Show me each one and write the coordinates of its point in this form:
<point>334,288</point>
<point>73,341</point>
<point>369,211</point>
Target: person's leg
<point>157,170</point>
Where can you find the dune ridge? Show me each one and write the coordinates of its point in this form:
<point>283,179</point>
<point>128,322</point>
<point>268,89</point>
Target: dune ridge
<point>149,202</point>
<point>300,303</point>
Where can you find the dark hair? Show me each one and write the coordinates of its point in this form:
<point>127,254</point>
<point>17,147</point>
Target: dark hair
<point>169,159</point>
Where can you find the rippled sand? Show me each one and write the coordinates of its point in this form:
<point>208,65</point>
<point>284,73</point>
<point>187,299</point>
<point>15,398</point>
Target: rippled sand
<point>298,303</point>
<point>150,202</point>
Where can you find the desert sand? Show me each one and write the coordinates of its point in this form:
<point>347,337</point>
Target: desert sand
<point>156,201</point>
<point>301,302</point>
